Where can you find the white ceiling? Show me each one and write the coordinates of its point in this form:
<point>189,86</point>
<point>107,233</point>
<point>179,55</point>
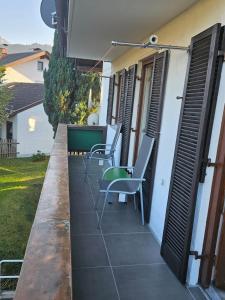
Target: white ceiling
<point>93,24</point>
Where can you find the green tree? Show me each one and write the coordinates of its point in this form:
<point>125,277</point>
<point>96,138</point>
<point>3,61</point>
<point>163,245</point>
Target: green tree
<point>67,89</point>
<point>5,97</point>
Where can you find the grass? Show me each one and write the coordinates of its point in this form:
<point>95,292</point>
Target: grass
<point>20,186</point>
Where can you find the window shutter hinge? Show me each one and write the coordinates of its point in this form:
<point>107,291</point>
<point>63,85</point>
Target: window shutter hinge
<point>138,78</point>
<point>221,53</point>
<point>179,98</point>
<point>196,254</point>
<point>211,164</point>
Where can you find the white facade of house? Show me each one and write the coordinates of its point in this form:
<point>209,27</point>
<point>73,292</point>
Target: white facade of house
<point>179,31</point>
<point>106,72</point>
<point>26,72</point>
<point>32,131</point>
<point>199,17</point>
<point>31,128</point>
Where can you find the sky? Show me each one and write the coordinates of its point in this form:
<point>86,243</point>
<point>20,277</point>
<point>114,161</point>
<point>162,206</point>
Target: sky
<point>20,22</point>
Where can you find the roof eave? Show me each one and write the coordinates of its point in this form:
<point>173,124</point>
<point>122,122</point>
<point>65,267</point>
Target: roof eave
<point>14,113</point>
<point>46,54</point>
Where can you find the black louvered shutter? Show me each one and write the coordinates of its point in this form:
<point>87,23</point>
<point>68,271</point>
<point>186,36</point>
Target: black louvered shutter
<point>200,95</point>
<point>122,95</point>
<point>153,123</point>
<point>128,113</point>
<point>110,100</point>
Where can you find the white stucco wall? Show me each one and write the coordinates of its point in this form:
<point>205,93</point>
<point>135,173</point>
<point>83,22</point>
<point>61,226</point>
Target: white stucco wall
<point>26,72</point>
<point>111,131</point>
<point>104,93</point>
<point>41,138</point>
<point>3,128</point>
<point>3,131</point>
<point>179,32</point>
<point>169,125</point>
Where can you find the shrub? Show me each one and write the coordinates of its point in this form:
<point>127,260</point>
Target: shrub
<point>39,156</point>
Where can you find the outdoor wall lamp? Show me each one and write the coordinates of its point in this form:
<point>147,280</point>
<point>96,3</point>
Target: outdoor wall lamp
<point>32,124</point>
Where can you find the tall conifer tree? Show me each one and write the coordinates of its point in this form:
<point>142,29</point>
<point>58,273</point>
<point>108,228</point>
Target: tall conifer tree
<point>67,89</point>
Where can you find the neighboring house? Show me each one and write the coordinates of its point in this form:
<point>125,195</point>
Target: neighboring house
<point>175,96</point>
<point>24,67</point>
<point>28,124</point>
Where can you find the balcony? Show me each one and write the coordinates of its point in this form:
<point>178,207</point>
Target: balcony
<point>67,257</point>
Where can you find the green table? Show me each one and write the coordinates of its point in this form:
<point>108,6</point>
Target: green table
<point>117,173</point>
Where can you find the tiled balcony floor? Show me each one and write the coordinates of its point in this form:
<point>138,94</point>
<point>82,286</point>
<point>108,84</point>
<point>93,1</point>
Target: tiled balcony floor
<point>120,261</point>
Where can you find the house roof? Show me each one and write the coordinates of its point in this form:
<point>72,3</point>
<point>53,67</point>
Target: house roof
<point>18,58</point>
<point>87,28</point>
<point>25,96</point>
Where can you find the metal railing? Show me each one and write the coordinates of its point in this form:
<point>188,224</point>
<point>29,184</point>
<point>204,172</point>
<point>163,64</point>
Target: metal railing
<point>6,279</point>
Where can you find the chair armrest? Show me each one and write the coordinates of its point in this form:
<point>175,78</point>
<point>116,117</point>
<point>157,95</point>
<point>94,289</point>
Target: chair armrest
<point>120,167</point>
<point>98,150</point>
<point>96,145</point>
<point>124,179</point>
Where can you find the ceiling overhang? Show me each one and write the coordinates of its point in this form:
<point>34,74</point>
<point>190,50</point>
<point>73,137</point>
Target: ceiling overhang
<point>92,25</point>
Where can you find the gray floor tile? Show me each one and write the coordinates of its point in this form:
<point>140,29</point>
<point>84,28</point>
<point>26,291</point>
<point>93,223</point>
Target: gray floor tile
<point>94,284</point>
<point>94,169</point>
<point>80,200</point>
<point>78,184</point>
<point>197,293</point>
<point>132,249</point>
<point>76,164</point>
<point>83,205</point>
<point>128,243</point>
<point>154,282</point>
<point>115,205</point>
<point>88,251</point>
<point>123,221</point>
<point>84,223</point>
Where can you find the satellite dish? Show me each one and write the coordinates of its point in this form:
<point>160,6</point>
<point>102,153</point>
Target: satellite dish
<point>48,12</point>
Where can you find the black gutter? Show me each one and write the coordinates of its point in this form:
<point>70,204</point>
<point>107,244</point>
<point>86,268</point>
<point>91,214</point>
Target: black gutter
<point>62,7</point>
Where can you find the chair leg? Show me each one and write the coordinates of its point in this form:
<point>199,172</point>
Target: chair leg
<point>142,206</point>
<point>102,212</point>
<point>86,168</point>
<point>135,203</point>
<point>97,201</point>
<point>113,161</point>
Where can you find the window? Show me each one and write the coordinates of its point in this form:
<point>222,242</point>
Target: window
<point>40,65</point>
<point>31,124</point>
<point>9,130</point>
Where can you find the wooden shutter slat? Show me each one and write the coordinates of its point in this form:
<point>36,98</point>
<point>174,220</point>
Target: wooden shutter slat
<point>122,95</point>
<point>128,113</point>
<point>153,122</point>
<point>191,147</point>
<point>110,100</point>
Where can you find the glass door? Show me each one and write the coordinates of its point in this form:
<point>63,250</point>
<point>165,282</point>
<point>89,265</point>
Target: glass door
<point>143,105</point>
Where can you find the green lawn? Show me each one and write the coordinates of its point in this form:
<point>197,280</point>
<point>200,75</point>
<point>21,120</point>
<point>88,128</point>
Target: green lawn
<point>20,186</point>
